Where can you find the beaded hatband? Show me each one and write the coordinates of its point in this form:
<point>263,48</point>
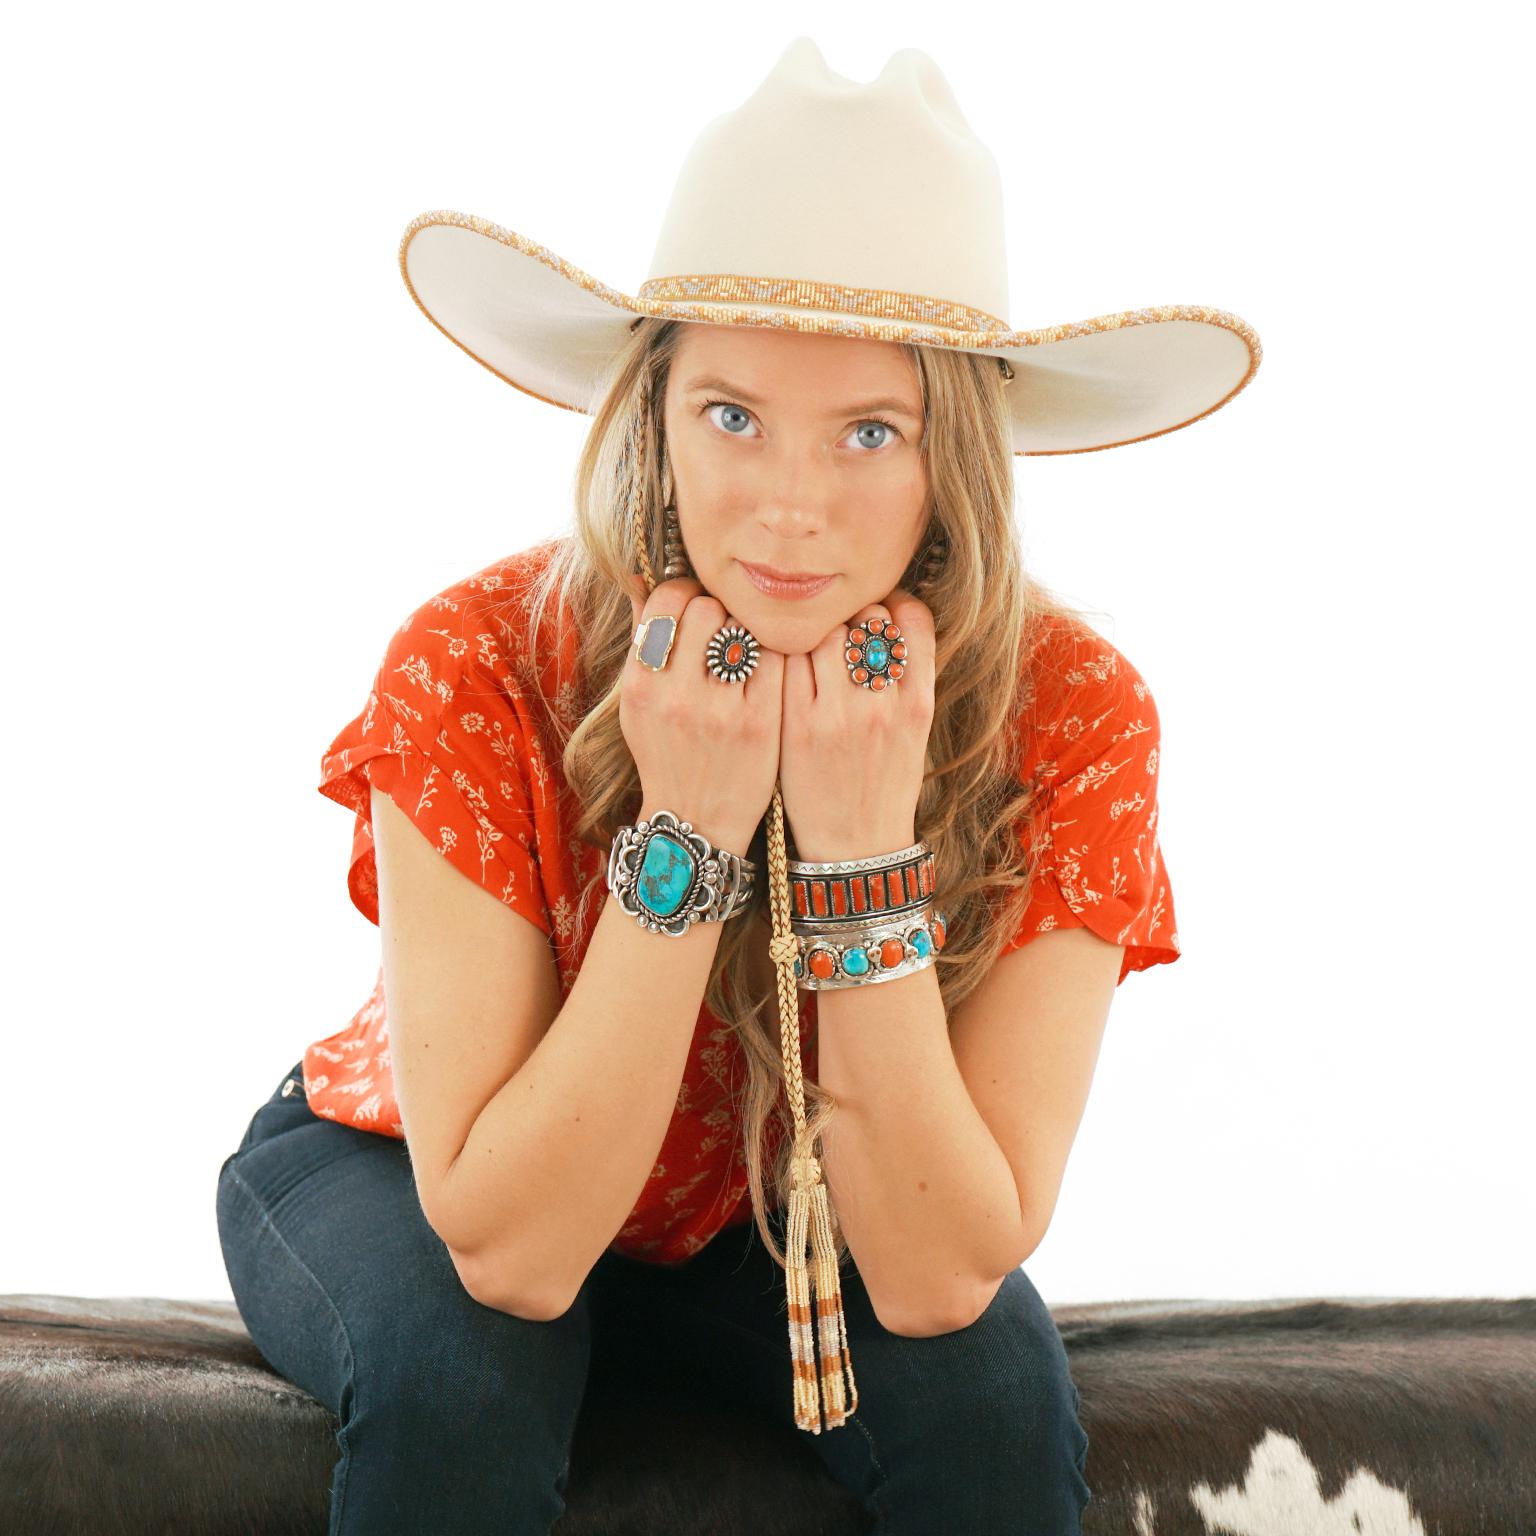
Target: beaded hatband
<point>667,876</point>
<point>876,653</point>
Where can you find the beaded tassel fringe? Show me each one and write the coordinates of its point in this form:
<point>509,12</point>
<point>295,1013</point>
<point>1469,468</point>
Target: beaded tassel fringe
<point>815,1293</point>
<point>815,1289</point>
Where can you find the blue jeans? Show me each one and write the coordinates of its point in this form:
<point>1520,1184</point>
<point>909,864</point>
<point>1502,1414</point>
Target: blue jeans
<point>458,1418</point>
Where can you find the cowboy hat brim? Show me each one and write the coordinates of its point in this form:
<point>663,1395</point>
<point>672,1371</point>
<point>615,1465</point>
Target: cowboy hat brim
<point>551,330</point>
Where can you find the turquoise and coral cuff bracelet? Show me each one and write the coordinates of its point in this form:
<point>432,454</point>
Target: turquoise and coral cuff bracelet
<point>859,921</point>
<point>668,877</point>
<point>874,953</point>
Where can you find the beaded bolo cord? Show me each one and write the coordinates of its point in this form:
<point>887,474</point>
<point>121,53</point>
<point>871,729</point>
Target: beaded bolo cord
<point>814,1289</point>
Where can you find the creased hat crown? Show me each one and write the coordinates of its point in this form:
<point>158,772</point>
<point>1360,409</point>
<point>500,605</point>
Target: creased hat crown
<point>819,179</point>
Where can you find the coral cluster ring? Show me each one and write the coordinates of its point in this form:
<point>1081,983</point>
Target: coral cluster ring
<point>732,653</point>
<point>876,653</point>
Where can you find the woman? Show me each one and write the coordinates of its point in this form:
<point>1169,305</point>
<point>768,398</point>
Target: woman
<point>917,783</point>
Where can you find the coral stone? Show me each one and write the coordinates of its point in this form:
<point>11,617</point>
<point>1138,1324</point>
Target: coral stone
<point>822,964</point>
<point>892,953</point>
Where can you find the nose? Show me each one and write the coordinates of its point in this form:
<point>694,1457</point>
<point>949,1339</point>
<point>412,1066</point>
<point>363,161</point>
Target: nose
<point>797,508</point>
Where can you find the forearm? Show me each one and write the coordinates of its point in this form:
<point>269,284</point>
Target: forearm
<point>555,1162</point>
<point>925,1196</point>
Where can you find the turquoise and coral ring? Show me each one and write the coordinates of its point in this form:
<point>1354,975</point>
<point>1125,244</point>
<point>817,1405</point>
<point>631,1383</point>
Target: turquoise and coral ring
<point>732,653</point>
<point>876,653</point>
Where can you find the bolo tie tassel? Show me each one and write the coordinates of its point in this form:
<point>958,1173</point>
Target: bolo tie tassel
<point>815,1293</point>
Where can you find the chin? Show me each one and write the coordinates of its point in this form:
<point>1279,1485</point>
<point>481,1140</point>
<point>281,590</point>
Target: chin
<point>789,637</point>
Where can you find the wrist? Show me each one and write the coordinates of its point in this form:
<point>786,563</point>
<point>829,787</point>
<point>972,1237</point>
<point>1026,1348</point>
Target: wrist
<point>825,849</point>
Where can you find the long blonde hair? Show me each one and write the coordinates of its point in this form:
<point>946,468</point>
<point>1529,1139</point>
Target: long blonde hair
<point>974,804</point>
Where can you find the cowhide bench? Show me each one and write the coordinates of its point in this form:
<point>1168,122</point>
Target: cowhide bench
<point>1262,1418</point>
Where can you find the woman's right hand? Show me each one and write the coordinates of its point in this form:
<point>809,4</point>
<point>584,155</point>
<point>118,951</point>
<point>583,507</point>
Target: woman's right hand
<point>706,750</point>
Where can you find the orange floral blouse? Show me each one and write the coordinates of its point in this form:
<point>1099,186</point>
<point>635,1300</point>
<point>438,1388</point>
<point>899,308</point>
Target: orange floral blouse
<point>456,730</point>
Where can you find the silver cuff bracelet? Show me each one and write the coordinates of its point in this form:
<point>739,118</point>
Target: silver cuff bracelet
<point>668,877</point>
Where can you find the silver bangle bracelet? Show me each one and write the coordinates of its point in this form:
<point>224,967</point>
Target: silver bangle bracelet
<point>668,877</point>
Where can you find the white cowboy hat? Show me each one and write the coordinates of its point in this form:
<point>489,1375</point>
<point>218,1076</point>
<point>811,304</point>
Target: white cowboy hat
<point>825,205</point>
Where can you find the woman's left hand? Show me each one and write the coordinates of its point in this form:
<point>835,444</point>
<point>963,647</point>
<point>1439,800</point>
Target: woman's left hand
<point>851,758</point>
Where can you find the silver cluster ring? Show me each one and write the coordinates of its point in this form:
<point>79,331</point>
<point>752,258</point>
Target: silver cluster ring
<point>732,653</point>
<point>876,653</point>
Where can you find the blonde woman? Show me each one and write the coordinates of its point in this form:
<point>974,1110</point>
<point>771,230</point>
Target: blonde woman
<point>754,863</point>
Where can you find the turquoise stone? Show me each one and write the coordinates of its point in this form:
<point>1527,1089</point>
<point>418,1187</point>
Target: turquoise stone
<point>921,942</point>
<point>876,653</point>
<point>855,962</point>
<point>666,875</point>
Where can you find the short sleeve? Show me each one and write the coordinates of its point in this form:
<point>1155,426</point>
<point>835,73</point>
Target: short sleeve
<point>1094,828</point>
<point>445,736</point>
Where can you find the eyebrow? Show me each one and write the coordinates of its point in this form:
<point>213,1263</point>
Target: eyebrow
<point>883,403</point>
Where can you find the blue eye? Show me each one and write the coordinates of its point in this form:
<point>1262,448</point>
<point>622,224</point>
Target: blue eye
<point>889,427</point>
<point>713,403</point>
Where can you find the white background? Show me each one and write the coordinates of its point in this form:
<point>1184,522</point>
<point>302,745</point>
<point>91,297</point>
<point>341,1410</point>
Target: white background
<point>238,456</point>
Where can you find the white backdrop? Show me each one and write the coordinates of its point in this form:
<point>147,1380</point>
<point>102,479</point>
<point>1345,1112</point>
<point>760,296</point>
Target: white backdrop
<point>238,455</point>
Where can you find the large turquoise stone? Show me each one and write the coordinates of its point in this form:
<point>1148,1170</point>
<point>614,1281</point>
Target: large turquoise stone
<point>876,653</point>
<point>666,874</point>
<point>921,942</point>
<point>855,961</point>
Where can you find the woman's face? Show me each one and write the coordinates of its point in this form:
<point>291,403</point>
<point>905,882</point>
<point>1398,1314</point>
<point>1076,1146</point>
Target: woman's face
<point>778,461</point>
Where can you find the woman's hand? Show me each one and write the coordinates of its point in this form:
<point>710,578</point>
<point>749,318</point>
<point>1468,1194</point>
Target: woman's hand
<point>851,759</point>
<point>707,750</point>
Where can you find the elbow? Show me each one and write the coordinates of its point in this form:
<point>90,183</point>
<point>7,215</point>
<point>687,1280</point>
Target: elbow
<point>492,1290</point>
<point>490,1275</point>
<point>492,1286</point>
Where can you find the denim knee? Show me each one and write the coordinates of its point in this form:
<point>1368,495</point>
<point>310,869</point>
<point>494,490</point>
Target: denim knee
<point>452,1416</point>
<point>976,1429</point>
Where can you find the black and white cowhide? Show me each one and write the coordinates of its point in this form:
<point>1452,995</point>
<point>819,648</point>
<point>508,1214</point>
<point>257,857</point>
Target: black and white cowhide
<point>1261,1418</point>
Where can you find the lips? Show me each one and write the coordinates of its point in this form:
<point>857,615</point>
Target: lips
<point>776,584</point>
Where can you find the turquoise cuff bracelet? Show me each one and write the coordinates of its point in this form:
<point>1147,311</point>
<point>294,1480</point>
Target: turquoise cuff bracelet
<point>668,877</point>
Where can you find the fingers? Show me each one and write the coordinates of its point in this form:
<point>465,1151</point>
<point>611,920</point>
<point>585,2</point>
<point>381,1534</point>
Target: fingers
<point>666,597</point>
<point>699,615</point>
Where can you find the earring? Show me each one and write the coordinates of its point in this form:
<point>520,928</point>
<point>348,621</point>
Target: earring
<point>678,563</point>
<point>673,550</point>
<point>925,568</point>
